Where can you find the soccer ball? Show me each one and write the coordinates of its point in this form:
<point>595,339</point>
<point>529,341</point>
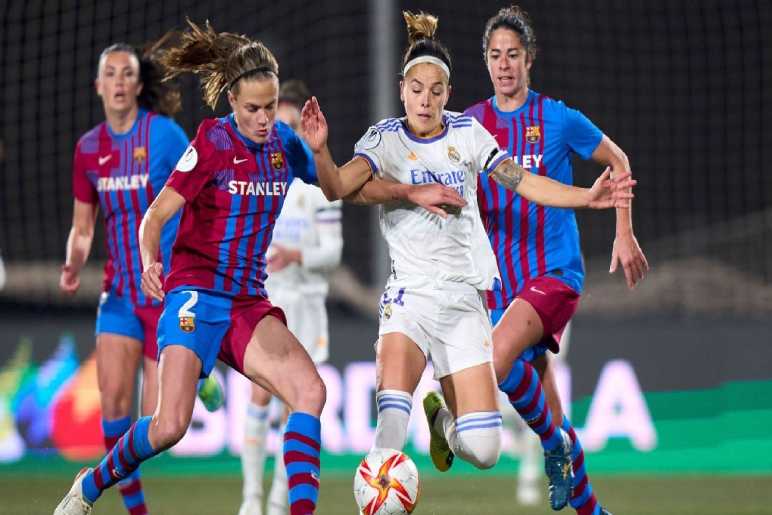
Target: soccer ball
<point>386,483</point>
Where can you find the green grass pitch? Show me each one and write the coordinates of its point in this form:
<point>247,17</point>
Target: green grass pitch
<point>452,495</point>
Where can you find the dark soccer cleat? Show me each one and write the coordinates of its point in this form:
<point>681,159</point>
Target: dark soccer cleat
<point>557,465</point>
<point>604,511</point>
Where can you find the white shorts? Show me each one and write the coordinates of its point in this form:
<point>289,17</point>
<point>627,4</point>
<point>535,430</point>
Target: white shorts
<point>307,320</point>
<point>448,321</point>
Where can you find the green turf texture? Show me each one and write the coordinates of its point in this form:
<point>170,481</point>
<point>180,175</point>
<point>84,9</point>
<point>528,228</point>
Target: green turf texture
<point>450,495</point>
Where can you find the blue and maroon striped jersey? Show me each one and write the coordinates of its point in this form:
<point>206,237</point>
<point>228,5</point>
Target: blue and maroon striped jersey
<point>234,190</point>
<point>123,173</point>
<point>530,240</point>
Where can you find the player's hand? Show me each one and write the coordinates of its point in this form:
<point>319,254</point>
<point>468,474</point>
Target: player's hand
<point>69,280</point>
<point>313,125</point>
<point>436,198</point>
<point>608,192</point>
<point>628,253</point>
<point>151,281</point>
<point>280,257</point>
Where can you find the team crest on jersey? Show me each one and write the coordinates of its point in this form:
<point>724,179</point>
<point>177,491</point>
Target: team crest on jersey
<point>140,154</point>
<point>453,154</point>
<point>387,311</point>
<point>277,160</point>
<point>532,133</point>
<point>187,324</point>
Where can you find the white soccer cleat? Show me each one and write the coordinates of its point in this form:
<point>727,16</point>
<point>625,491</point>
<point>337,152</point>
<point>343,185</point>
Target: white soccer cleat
<point>277,508</point>
<point>74,503</point>
<point>251,506</point>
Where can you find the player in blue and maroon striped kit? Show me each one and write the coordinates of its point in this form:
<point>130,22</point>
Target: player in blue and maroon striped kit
<point>230,183</point>
<point>119,167</point>
<point>537,248</point>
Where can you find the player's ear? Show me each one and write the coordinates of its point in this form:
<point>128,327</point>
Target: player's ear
<point>98,87</point>
<point>232,100</point>
<point>139,88</point>
<point>401,86</point>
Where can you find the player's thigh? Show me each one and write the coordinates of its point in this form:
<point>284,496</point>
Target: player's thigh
<point>546,371</point>
<point>519,328</point>
<point>277,361</point>
<point>399,363</point>
<point>149,385</point>
<point>470,390</point>
<point>117,357</point>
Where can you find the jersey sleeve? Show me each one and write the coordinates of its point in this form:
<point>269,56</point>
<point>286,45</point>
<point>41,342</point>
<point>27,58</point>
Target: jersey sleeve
<point>371,148</point>
<point>486,154</point>
<point>169,140</point>
<point>196,166</point>
<point>580,134</point>
<point>82,188</point>
<point>301,160</point>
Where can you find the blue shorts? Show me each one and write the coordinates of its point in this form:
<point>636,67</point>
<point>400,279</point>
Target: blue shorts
<point>529,354</point>
<point>118,315</point>
<point>212,325</point>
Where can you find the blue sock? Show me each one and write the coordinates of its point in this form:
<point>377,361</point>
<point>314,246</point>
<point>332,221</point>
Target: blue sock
<point>582,498</point>
<point>302,441</point>
<point>131,487</point>
<point>523,388</point>
<point>132,449</point>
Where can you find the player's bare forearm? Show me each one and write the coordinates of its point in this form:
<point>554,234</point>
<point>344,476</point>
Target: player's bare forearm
<point>608,153</point>
<point>163,208</point>
<point>81,234</point>
<point>378,191</point>
<point>340,182</point>
<point>538,189</point>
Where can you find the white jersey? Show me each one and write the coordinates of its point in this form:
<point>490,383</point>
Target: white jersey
<point>312,224</point>
<point>422,244</point>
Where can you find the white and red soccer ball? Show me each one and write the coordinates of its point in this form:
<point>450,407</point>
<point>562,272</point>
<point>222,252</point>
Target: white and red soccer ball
<point>386,483</point>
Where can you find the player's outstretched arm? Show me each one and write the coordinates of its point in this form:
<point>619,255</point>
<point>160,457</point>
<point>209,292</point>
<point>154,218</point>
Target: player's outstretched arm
<point>78,245</point>
<point>605,192</point>
<point>435,198</point>
<point>165,205</point>
<point>626,250</point>
<point>335,182</point>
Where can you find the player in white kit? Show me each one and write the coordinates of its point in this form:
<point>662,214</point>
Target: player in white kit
<point>307,244</point>
<point>441,258</point>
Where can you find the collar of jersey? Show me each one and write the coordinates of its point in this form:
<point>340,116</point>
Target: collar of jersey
<point>251,145</point>
<point>415,138</point>
<point>119,136</point>
<point>512,114</point>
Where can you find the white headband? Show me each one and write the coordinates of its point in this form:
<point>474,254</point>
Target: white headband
<point>426,59</point>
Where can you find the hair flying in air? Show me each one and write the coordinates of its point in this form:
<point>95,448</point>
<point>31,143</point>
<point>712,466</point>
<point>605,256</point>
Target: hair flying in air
<point>220,59</point>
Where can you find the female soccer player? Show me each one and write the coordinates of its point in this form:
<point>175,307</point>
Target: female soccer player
<point>441,260</point>
<point>307,244</point>
<point>119,166</point>
<point>537,248</point>
<point>230,184</point>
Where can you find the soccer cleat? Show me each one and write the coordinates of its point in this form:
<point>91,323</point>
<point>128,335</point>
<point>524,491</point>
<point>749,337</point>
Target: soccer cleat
<point>251,506</point>
<point>211,394</point>
<point>74,503</point>
<point>442,456</point>
<point>557,465</point>
<point>604,511</point>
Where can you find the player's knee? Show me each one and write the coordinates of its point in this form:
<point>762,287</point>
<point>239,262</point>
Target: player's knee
<point>313,395</point>
<point>480,447</point>
<point>169,429</point>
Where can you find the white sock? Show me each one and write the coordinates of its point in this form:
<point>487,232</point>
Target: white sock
<point>253,454</point>
<point>474,437</point>
<point>278,501</point>
<point>393,416</point>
